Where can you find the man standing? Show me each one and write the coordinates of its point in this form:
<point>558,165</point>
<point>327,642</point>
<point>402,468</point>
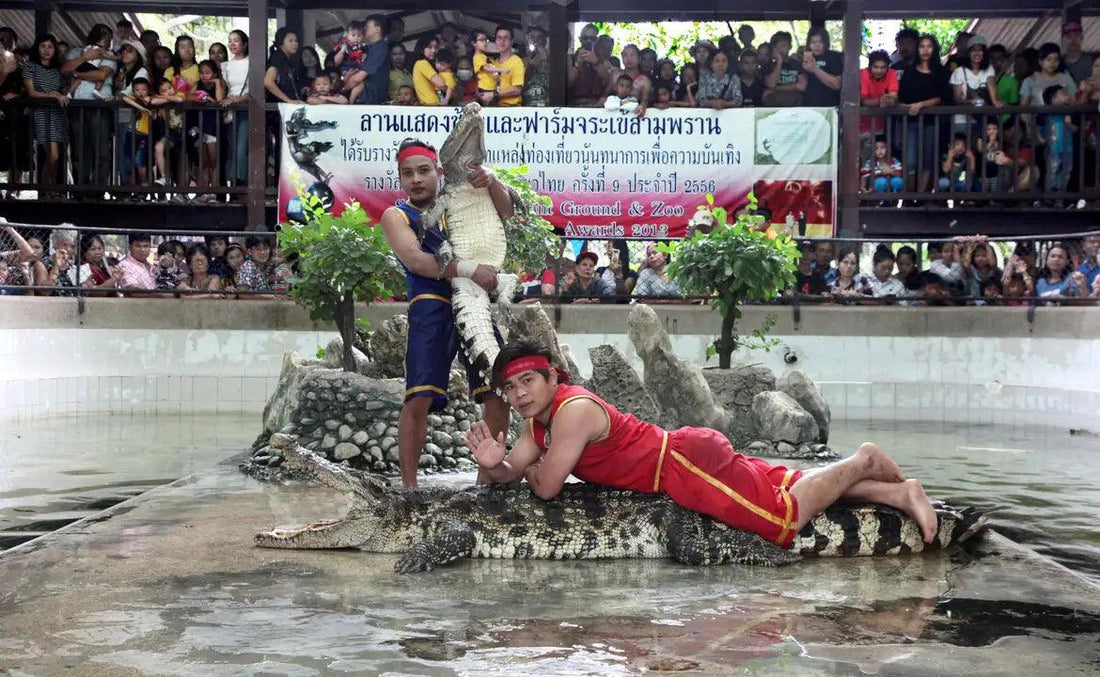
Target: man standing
<point>433,340</point>
<point>823,67</point>
<point>510,90</point>
<point>568,430</point>
<point>1077,63</point>
<point>377,63</point>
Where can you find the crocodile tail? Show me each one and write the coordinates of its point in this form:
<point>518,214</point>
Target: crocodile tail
<point>474,322</point>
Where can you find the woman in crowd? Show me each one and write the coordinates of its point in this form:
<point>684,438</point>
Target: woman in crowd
<point>184,65</point>
<point>160,62</point>
<point>975,84</point>
<point>234,259</point>
<point>426,80</point>
<point>689,84</point>
<point>283,79</point>
<point>702,53</point>
<point>718,88</point>
<point>588,82</point>
<point>643,87</point>
<point>201,279</point>
<point>845,283</point>
<point>94,273</point>
<point>536,85</point>
<point>653,280</point>
<point>922,87</point>
<point>210,91</point>
<point>666,75</point>
<point>42,80</point>
<point>980,264</point>
<point>880,283</point>
<point>400,75</point>
<point>311,67</point>
<point>235,136</point>
<point>218,53</point>
<point>131,66</point>
<point>60,265</point>
<point>1057,278</point>
<point>467,83</point>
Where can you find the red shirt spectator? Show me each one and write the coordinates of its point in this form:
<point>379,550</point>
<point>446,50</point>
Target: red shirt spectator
<point>875,82</point>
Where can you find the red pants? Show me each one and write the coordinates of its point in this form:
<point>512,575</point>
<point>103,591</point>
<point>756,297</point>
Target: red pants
<point>699,470</point>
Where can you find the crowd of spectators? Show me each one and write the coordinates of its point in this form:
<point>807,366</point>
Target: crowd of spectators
<point>213,267</point>
<point>984,151</point>
<point>735,72</point>
<point>965,270</point>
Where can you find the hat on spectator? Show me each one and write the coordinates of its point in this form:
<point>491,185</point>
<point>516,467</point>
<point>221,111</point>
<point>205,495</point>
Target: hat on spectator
<point>1071,27</point>
<point>138,47</point>
<point>589,255</point>
<point>977,41</point>
<point>704,43</point>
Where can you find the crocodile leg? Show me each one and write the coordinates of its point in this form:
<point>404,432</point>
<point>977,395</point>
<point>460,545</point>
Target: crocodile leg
<point>474,322</point>
<point>703,542</point>
<point>455,541</point>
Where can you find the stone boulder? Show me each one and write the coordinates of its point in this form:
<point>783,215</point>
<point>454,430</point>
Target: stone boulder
<point>531,321</point>
<point>284,400</point>
<point>779,418</point>
<point>614,380</point>
<point>735,389</point>
<point>808,395</point>
<point>334,358</point>
<point>387,346</point>
<point>679,386</point>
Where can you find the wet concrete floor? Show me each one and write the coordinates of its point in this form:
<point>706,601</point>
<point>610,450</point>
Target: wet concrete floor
<point>170,584</point>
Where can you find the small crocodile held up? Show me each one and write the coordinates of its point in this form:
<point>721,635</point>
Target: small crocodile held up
<point>436,526</point>
<point>475,232</point>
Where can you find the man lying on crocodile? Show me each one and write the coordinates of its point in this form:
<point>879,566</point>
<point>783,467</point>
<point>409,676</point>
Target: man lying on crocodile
<point>569,431</point>
<point>433,340</point>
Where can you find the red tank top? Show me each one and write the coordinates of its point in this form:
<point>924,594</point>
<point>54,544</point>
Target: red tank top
<point>626,458</point>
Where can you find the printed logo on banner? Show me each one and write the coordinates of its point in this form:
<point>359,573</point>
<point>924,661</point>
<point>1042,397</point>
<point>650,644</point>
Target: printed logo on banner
<point>609,174</point>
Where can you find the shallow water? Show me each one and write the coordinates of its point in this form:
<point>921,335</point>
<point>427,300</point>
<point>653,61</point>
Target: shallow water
<point>56,470</point>
<point>1039,485</point>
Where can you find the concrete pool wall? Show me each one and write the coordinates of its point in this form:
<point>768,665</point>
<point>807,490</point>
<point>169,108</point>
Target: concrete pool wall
<point>981,365</point>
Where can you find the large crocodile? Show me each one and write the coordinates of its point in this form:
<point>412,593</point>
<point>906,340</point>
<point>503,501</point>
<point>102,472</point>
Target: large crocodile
<point>435,526</point>
<point>475,232</point>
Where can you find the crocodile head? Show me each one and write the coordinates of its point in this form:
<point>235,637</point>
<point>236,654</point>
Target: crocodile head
<point>365,494</point>
<point>465,145</point>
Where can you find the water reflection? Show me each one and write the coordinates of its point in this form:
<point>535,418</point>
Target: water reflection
<point>1038,484</point>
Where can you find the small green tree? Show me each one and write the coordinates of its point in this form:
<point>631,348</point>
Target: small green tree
<point>531,239</point>
<point>734,263</point>
<point>341,260</point>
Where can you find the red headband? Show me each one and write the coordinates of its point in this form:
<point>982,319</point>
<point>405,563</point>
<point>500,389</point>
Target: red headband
<point>416,150</point>
<point>530,363</point>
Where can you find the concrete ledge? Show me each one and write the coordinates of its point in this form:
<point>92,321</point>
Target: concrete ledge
<point>63,313</point>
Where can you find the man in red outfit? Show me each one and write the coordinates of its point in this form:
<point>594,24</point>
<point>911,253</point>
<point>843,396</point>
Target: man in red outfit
<point>568,430</point>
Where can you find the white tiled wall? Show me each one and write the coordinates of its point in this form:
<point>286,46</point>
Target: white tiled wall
<point>981,380</point>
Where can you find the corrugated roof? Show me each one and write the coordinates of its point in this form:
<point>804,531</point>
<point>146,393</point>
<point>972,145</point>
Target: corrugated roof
<point>1016,34</point>
<point>22,22</point>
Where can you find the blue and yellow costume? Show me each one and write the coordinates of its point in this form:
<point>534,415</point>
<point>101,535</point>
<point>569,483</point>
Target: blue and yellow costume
<point>433,340</point>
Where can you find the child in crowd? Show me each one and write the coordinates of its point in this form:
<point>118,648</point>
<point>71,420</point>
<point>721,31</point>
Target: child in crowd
<point>488,75</point>
<point>663,98</point>
<point>1017,281</point>
<point>406,96</point>
<point>171,133</point>
<point>351,53</point>
<point>320,91</point>
<point>467,81</point>
<point>623,98</point>
<point>1058,137</point>
<point>93,65</point>
<point>883,172</point>
<point>957,166</point>
<point>136,140</point>
<point>444,65</point>
<point>991,293</point>
<point>210,89</point>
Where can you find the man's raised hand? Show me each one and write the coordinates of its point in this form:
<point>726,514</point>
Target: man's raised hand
<point>488,452</point>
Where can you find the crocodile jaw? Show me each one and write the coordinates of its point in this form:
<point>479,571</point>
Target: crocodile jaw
<point>348,532</point>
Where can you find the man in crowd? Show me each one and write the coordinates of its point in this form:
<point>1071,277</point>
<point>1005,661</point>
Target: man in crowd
<point>1090,262</point>
<point>377,63</point>
<point>510,91</point>
<point>570,431</point>
<point>786,82</point>
<point>433,340</point>
<point>878,86</point>
<point>823,68</point>
<point>137,272</point>
<point>588,287</point>
<point>1077,63</point>
<point>905,56</point>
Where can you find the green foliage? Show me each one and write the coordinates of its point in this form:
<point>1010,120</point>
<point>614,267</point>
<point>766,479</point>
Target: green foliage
<point>531,239</point>
<point>321,352</point>
<point>944,30</point>
<point>338,255</point>
<point>734,263</point>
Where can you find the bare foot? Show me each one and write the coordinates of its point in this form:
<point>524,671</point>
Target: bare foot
<point>882,467</point>
<point>920,509</point>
